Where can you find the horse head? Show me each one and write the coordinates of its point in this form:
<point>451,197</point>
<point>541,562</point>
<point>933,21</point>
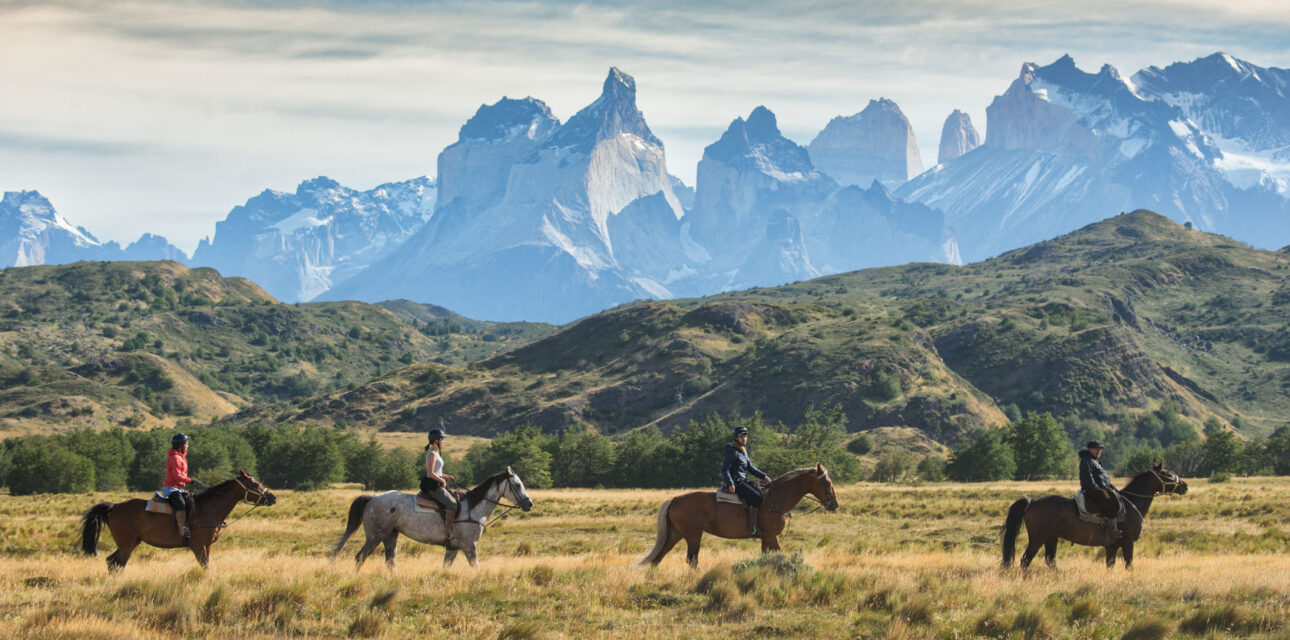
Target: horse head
<point>1166,482</point>
<point>822,488</point>
<point>514,489</point>
<point>256,493</point>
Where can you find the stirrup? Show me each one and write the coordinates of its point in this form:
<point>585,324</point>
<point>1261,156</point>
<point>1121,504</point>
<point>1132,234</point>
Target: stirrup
<point>184,532</point>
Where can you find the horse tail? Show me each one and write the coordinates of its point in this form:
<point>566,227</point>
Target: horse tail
<point>1011,526</point>
<point>92,526</point>
<point>355,518</point>
<point>661,540</point>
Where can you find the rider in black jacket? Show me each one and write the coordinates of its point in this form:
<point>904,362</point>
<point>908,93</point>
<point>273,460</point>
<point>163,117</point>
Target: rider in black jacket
<point>1099,493</point>
<point>734,476</point>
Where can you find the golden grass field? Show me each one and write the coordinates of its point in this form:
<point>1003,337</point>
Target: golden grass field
<point>893,562</point>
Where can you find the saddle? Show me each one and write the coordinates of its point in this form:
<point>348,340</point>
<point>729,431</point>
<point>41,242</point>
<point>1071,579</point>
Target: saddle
<point>726,496</point>
<point>157,504</point>
<point>426,504</point>
<point>1095,518</point>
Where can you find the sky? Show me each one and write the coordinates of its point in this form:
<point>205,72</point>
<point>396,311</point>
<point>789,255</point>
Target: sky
<point>160,116</point>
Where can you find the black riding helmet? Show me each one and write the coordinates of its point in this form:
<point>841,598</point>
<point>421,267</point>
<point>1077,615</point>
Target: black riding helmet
<point>178,440</point>
<point>1094,444</point>
<point>435,434</point>
<point>739,431</point>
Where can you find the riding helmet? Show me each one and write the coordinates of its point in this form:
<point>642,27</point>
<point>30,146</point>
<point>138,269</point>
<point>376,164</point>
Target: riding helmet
<point>435,434</point>
<point>178,440</point>
<point>1094,444</point>
<point>740,431</point>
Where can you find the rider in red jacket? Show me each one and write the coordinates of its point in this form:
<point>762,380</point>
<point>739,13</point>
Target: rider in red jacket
<point>176,479</point>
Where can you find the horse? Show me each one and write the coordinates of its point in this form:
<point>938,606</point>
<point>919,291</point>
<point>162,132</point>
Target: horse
<point>131,524</point>
<point>1053,517</point>
<point>385,516</point>
<point>690,515</point>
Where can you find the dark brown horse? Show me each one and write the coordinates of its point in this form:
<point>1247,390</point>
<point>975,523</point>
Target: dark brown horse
<point>130,524</point>
<point>688,516</point>
<point>1053,517</point>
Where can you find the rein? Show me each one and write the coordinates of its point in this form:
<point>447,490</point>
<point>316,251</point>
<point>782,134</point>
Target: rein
<point>788,515</point>
<point>246,495</point>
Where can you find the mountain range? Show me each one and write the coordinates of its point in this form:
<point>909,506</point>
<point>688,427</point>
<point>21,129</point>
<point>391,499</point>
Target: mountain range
<point>531,218</point>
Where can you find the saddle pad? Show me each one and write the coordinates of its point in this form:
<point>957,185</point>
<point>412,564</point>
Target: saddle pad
<point>159,506</point>
<point>427,504</point>
<point>1092,517</point>
<point>725,496</point>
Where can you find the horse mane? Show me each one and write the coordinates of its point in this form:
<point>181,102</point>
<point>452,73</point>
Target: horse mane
<point>211,491</point>
<point>791,475</point>
<point>1136,479</point>
<point>476,495</point>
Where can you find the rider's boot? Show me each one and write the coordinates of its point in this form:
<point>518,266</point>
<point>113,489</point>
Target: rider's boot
<point>181,518</point>
<point>449,518</point>
<point>753,531</point>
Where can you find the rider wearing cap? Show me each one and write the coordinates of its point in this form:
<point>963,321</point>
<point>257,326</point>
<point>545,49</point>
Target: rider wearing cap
<point>734,475</point>
<point>1099,494</point>
<point>176,479</point>
<point>434,483</point>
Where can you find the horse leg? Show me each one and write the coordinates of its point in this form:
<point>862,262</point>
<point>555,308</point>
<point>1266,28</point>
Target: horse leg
<point>1032,547</point>
<point>203,554</point>
<point>449,554</point>
<point>391,543</point>
<point>124,548</point>
<point>1110,555</point>
<point>1127,548</point>
<point>468,548</point>
<point>673,537</point>
<point>368,547</point>
<point>692,549</point>
<point>769,543</point>
<point>1050,552</point>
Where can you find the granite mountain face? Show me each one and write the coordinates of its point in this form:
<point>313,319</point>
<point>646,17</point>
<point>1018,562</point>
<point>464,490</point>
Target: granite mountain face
<point>33,233</point>
<point>531,218</point>
<point>298,245</point>
<point>1064,147</point>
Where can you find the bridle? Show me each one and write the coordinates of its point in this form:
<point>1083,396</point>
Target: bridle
<point>510,484</point>
<point>247,492</point>
<point>1167,486</point>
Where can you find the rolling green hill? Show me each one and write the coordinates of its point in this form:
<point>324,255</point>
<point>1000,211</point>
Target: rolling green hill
<point>1098,327</point>
<point>142,343</point>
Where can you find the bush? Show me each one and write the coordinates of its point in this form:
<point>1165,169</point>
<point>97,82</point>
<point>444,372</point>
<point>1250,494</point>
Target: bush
<point>861,445</point>
<point>984,456</point>
<point>41,464</point>
<point>1039,447</point>
<point>893,466</point>
<point>931,469</point>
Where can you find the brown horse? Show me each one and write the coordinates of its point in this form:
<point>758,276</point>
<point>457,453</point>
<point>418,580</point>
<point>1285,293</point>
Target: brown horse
<point>1053,517</point>
<point>688,516</point>
<point>130,524</point>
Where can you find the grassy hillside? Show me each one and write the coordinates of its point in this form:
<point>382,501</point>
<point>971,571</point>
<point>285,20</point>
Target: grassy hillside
<point>1097,327</point>
<point>139,343</point>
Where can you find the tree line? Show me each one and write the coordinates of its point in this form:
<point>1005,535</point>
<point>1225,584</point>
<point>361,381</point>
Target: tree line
<point>314,457</point>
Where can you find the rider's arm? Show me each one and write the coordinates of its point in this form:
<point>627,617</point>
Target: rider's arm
<point>757,472</point>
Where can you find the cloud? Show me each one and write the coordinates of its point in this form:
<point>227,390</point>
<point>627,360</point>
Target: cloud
<point>28,143</point>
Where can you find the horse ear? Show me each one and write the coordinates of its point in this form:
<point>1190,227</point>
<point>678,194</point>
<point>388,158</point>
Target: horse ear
<point>242,472</point>
<point>508,471</point>
<point>819,469</point>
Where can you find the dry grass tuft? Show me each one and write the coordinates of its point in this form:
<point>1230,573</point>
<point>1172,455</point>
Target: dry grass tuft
<point>521,631</point>
<point>1085,608</point>
<point>384,601</point>
<point>1033,623</point>
<point>916,610</point>
<point>367,625</point>
<point>541,575</point>
<point>1223,617</point>
<point>1149,628</point>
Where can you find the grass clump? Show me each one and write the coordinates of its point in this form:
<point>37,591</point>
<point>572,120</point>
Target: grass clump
<point>1223,617</point>
<point>991,625</point>
<point>781,564</point>
<point>916,610</point>
<point>366,625</point>
<point>1032,623</point>
<point>1085,608</point>
<point>384,601</point>
<point>1149,628</point>
<point>541,575</point>
<point>520,631</point>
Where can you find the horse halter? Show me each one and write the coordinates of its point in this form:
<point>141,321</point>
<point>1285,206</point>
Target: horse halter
<point>247,492</point>
<point>1167,486</point>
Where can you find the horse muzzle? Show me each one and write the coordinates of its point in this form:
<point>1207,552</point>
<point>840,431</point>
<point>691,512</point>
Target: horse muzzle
<point>1181,489</point>
<point>526,505</point>
<point>831,505</point>
<point>269,499</point>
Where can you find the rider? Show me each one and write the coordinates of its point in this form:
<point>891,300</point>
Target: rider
<point>733,477</point>
<point>176,479</point>
<point>435,482</point>
<point>1099,494</point>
